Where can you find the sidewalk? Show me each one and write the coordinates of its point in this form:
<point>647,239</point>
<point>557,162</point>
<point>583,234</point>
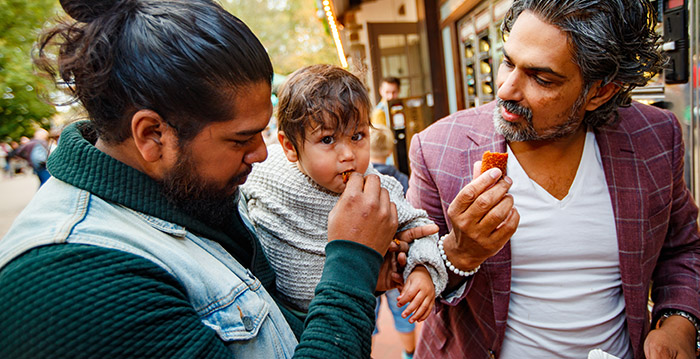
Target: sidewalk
<point>15,193</point>
<point>386,342</point>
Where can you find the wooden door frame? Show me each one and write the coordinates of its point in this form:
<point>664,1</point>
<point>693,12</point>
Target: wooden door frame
<point>374,30</point>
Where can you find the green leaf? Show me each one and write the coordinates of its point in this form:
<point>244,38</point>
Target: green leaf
<point>21,108</point>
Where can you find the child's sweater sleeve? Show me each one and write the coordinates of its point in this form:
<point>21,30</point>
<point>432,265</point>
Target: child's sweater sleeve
<point>424,250</point>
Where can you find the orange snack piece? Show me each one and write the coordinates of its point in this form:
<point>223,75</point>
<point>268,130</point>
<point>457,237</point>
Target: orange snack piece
<point>494,159</point>
<point>346,176</point>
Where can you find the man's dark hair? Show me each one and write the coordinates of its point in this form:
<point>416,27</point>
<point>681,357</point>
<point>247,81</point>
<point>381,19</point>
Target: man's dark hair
<point>612,41</point>
<point>392,80</point>
<point>187,60</point>
<point>321,95</point>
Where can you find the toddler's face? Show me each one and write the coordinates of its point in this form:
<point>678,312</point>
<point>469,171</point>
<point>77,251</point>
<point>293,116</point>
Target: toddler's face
<point>326,155</point>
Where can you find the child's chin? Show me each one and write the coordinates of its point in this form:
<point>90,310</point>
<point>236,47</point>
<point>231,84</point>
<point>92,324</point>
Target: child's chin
<point>336,189</point>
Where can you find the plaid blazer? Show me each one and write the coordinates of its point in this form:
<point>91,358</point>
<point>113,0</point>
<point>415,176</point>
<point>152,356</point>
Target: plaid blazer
<point>655,217</point>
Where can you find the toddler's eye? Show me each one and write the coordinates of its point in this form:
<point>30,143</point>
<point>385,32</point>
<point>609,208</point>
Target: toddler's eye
<point>327,140</point>
<point>358,136</point>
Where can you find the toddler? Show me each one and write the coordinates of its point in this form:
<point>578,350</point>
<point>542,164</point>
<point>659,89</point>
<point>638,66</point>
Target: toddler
<point>323,131</point>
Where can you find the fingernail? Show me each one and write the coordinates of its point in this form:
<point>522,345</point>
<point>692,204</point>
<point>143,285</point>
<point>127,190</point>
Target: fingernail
<point>495,173</point>
<point>508,180</point>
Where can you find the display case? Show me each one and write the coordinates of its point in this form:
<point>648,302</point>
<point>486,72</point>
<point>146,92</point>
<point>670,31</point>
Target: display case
<point>469,62</point>
<point>485,76</point>
<point>481,46</point>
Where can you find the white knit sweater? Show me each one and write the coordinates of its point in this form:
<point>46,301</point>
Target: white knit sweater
<point>290,213</point>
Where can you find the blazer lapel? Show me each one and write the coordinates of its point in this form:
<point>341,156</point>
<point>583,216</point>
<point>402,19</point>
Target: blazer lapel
<point>498,267</point>
<point>628,201</point>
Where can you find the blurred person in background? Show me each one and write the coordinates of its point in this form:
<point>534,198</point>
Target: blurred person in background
<point>4,159</point>
<point>36,153</point>
<point>389,90</point>
<point>381,148</point>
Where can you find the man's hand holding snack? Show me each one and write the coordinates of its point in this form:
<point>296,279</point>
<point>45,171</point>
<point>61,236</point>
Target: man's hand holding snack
<point>364,214</point>
<point>483,220</point>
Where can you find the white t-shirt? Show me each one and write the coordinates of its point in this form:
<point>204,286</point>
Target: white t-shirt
<point>566,295</point>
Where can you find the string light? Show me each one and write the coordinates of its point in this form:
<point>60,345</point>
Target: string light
<point>335,33</point>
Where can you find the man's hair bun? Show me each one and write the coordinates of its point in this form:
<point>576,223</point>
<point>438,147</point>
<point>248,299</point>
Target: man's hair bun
<point>86,10</point>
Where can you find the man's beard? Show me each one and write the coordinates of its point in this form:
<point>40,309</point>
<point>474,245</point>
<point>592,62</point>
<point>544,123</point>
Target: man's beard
<point>521,132</point>
<point>194,195</point>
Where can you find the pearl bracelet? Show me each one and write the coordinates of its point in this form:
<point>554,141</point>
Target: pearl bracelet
<point>449,264</point>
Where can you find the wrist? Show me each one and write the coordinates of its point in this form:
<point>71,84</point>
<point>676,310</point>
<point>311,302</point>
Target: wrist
<point>458,257</point>
<point>683,324</point>
<point>451,267</point>
<point>343,256</point>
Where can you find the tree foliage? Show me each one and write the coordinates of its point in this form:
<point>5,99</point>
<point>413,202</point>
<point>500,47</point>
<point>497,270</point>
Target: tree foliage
<point>21,108</point>
<point>290,30</point>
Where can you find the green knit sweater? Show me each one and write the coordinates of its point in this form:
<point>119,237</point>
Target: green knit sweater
<point>80,301</point>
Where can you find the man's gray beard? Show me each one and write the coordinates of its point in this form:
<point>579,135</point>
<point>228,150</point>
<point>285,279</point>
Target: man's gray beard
<point>523,132</point>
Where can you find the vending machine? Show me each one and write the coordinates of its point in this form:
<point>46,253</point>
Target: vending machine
<point>407,116</point>
<point>680,81</point>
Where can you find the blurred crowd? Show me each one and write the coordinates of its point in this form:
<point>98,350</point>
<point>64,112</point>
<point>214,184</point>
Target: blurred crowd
<point>28,155</point>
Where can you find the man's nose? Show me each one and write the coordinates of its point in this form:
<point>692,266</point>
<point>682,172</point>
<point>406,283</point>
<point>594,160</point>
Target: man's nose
<point>510,87</point>
<point>257,151</point>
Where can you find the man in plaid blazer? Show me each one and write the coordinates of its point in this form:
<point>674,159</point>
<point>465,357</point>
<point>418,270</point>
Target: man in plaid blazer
<point>557,91</point>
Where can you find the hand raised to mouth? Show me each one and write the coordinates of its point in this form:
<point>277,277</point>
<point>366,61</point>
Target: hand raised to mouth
<point>364,214</point>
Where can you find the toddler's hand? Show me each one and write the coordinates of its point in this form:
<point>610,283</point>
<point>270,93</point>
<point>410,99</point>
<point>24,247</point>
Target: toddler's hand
<point>420,291</point>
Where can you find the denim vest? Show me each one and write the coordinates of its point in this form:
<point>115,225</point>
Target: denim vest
<point>227,297</point>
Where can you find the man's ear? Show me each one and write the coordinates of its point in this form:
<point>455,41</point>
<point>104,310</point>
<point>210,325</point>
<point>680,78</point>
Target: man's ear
<point>288,147</point>
<point>150,133</point>
<point>602,95</point>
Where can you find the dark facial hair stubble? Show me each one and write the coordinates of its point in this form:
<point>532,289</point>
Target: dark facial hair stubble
<point>206,201</point>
